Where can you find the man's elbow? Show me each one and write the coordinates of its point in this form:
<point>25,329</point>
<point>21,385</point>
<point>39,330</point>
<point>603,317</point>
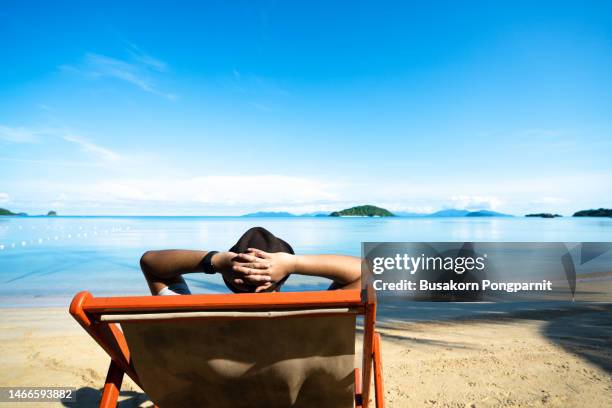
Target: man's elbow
<point>353,284</point>
<point>147,261</point>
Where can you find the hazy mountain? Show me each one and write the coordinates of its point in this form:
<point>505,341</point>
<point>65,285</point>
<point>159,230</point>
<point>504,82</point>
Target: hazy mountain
<point>449,213</point>
<point>486,213</point>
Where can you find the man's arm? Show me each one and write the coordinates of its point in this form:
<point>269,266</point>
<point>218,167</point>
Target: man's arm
<point>344,271</point>
<point>165,267</point>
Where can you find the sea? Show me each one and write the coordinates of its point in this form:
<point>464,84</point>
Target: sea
<point>45,261</point>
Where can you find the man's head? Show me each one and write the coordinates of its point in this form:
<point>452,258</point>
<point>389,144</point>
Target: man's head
<point>259,238</point>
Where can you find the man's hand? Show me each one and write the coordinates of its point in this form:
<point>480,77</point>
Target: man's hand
<point>226,263</point>
<point>222,261</point>
<point>259,266</point>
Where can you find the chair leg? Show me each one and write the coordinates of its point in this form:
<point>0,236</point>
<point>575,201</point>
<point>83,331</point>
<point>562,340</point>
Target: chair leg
<point>358,395</point>
<point>114,378</point>
<point>378,378</point>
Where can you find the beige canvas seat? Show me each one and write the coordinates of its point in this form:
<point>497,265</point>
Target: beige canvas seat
<point>247,350</point>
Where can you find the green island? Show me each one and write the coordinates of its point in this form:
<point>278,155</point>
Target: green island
<point>363,211</point>
<point>4,211</point>
<point>601,212</point>
<point>544,215</point>
<point>486,213</point>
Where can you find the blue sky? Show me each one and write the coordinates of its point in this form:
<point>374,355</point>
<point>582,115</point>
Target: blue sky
<point>146,108</point>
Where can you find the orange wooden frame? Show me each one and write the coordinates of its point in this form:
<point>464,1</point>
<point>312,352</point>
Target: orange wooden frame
<point>87,310</point>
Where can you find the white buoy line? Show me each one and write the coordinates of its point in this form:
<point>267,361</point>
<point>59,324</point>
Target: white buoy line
<point>81,233</point>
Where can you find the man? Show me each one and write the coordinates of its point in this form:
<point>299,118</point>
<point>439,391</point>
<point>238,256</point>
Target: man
<point>259,262</point>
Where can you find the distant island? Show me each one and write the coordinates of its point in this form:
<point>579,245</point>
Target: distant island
<point>544,215</point>
<point>453,212</point>
<point>601,212</point>
<point>363,211</point>
<point>374,211</point>
<point>486,213</point>
<point>4,211</point>
<point>448,213</point>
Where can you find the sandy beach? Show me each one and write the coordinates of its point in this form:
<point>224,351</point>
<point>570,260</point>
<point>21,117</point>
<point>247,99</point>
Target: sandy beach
<point>527,358</point>
<point>561,357</point>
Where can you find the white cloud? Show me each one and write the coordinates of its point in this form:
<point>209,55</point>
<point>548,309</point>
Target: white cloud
<point>52,163</point>
<point>475,202</point>
<point>130,190</point>
<point>28,135</point>
<point>139,55</point>
<point>19,134</point>
<point>4,197</point>
<point>151,190</point>
<point>101,65</point>
<point>207,195</point>
<point>550,200</point>
<point>136,72</point>
<point>90,147</point>
<point>402,207</point>
<point>218,190</point>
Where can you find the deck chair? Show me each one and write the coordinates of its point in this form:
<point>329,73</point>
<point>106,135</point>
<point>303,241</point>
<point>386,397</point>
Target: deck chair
<point>239,350</point>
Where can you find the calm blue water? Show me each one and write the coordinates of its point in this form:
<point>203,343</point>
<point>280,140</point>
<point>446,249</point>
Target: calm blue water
<point>45,261</point>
